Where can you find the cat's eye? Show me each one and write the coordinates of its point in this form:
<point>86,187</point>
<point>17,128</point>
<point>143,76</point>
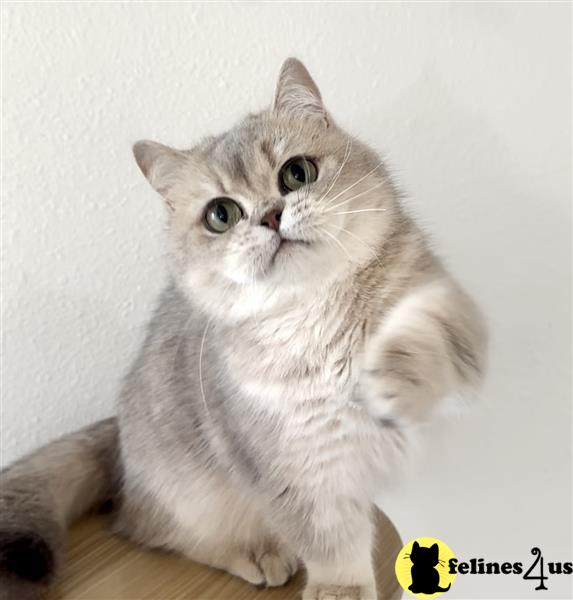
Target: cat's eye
<point>296,173</point>
<point>222,214</point>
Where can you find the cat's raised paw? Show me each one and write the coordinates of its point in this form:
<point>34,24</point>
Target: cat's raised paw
<point>339,592</point>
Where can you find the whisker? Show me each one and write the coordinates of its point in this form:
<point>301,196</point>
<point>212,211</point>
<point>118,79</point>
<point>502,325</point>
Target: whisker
<point>201,366</point>
<point>371,248</point>
<point>330,235</point>
<point>355,183</point>
<point>361,210</point>
<point>381,183</point>
<point>347,152</point>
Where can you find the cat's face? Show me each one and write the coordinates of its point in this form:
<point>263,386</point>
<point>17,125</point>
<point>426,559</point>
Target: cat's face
<point>283,201</point>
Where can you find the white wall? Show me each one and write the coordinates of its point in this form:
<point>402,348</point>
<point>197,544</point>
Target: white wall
<point>472,104</point>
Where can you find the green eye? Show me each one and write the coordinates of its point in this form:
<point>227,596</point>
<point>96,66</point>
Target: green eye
<point>296,173</point>
<point>222,214</point>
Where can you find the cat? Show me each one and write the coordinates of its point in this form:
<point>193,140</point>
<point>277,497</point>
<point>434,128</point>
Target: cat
<point>425,578</point>
<point>306,331</point>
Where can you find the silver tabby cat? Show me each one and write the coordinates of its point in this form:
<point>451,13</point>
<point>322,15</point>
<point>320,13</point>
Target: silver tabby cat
<point>306,330</point>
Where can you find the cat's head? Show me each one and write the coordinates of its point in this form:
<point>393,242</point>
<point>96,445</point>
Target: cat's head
<point>283,202</point>
<point>421,555</point>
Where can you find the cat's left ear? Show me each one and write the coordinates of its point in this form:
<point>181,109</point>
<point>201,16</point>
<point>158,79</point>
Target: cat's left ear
<point>160,164</point>
<point>435,548</point>
<point>297,93</point>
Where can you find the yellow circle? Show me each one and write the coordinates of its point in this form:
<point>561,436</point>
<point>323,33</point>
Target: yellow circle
<point>422,567</point>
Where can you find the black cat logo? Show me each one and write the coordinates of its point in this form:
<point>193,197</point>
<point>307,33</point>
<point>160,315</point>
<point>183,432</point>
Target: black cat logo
<point>425,577</point>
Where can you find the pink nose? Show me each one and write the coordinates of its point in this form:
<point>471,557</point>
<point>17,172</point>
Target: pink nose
<point>272,219</point>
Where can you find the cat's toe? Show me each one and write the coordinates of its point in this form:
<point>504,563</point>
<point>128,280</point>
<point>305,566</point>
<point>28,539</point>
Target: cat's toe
<point>246,568</point>
<point>265,565</point>
<point>277,567</point>
<point>338,592</point>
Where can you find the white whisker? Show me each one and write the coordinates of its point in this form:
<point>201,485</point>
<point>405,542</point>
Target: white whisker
<point>371,248</point>
<point>347,152</point>
<point>381,183</point>
<point>201,366</point>
<point>338,242</point>
<point>361,210</point>
<point>355,183</point>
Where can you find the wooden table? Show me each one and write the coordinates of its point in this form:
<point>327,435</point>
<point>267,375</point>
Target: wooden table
<point>101,566</point>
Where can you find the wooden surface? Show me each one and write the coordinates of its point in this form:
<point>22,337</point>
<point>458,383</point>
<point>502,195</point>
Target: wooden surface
<point>100,566</point>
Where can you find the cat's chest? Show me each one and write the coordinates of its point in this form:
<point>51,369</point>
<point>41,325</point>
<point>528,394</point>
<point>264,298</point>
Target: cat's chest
<point>294,377</point>
<point>301,355</point>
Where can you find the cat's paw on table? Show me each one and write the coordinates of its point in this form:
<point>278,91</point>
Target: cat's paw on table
<point>339,592</point>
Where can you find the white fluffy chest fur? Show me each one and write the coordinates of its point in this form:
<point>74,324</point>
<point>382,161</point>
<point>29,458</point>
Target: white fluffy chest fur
<point>304,352</point>
<point>301,365</point>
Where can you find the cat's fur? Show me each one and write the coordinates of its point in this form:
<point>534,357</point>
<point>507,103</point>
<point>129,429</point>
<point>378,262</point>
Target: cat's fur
<point>277,385</point>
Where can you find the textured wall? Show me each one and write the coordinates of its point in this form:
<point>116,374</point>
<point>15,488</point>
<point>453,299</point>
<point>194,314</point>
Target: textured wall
<point>471,103</point>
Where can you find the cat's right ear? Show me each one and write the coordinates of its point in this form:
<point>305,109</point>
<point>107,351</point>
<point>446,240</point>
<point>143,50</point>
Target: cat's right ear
<point>296,92</point>
<point>160,165</point>
<point>416,546</point>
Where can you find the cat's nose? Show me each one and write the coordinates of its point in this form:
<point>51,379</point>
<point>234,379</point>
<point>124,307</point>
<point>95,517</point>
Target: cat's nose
<point>272,219</point>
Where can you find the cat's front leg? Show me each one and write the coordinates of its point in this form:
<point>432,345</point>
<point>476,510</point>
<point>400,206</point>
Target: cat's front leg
<point>334,538</point>
<point>430,347</point>
<point>349,576</point>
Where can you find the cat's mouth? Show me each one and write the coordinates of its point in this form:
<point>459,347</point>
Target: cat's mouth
<point>287,244</point>
<point>285,248</point>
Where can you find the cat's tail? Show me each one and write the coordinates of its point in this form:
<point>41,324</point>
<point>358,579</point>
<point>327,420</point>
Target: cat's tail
<point>41,494</point>
<point>439,589</point>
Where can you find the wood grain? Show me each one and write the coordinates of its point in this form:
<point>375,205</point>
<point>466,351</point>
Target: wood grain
<point>101,566</point>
